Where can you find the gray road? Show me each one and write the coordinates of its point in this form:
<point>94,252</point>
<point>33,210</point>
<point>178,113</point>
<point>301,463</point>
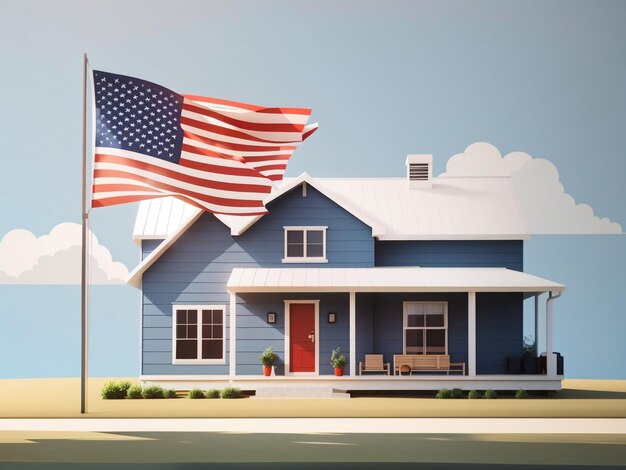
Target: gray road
<point>304,444</point>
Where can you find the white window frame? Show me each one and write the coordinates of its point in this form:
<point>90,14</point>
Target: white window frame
<point>305,258</point>
<point>199,359</point>
<point>405,322</point>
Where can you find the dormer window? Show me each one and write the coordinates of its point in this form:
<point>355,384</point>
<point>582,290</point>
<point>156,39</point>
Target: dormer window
<point>305,245</point>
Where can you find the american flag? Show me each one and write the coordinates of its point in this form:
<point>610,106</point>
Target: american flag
<point>219,155</point>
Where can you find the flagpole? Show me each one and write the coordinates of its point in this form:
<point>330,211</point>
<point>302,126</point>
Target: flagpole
<point>83,279</point>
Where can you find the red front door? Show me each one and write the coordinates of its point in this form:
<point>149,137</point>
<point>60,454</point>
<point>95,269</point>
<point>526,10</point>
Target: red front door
<point>302,337</point>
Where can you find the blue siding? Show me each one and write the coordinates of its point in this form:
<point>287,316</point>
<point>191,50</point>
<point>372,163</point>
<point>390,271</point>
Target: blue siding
<point>364,326</point>
<point>254,334</point>
<point>499,330</point>
<point>148,246</point>
<point>462,253</point>
<point>196,268</point>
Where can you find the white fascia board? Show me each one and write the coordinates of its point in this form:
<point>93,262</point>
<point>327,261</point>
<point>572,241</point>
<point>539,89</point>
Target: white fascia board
<point>387,289</point>
<point>134,278</point>
<point>138,238</point>
<point>443,237</point>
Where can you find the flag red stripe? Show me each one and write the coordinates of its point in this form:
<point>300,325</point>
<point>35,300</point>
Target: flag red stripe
<point>250,107</point>
<point>221,201</point>
<point>205,126</point>
<point>203,167</point>
<point>236,147</point>
<point>111,201</point>
<point>308,133</point>
<point>219,185</point>
<point>249,125</point>
<point>276,157</point>
<point>117,187</point>
<point>234,171</point>
<point>270,167</point>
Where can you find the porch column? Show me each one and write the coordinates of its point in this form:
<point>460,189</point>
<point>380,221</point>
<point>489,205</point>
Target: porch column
<point>537,324</point>
<point>352,334</point>
<point>233,337</point>
<point>471,333</point>
<point>550,357</point>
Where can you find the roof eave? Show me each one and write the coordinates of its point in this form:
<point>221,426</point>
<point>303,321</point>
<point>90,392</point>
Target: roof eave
<point>387,289</point>
<point>446,236</point>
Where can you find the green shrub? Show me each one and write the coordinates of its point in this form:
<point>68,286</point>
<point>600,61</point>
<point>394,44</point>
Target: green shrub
<point>231,392</point>
<point>337,360</point>
<point>213,393</point>
<point>444,393</point>
<point>473,394</point>
<point>521,394</point>
<point>195,393</point>
<point>125,385</point>
<point>489,393</point>
<point>114,391</point>
<point>171,393</point>
<point>153,391</point>
<point>268,357</point>
<point>135,392</point>
<point>457,393</point>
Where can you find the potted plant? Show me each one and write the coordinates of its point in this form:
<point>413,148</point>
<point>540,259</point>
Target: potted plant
<point>338,361</point>
<point>268,357</point>
<point>529,355</point>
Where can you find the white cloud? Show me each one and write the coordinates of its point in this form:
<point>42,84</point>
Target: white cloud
<point>483,159</point>
<point>545,206</point>
<point>55,258</point>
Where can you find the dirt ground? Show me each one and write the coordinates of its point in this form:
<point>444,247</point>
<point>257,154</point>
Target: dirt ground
<point>60,398</point>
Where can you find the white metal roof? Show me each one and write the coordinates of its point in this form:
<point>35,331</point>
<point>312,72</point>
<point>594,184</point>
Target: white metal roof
<point>383,279</point>
<point>454,208</point>
<point>161,217</point>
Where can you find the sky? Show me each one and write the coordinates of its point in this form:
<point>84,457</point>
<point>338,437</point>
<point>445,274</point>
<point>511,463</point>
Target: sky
<point>384,79</point>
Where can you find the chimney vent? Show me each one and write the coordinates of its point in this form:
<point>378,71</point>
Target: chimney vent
<point>419,171</point>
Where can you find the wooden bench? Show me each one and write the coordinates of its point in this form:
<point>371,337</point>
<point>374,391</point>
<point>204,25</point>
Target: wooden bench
<point>425,363</point>
<point>373,363</point>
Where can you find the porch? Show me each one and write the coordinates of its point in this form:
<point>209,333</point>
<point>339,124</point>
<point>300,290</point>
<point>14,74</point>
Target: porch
<point>397,287</point>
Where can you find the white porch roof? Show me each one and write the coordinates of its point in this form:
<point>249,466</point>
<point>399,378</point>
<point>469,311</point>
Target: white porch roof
<point>387,279</point>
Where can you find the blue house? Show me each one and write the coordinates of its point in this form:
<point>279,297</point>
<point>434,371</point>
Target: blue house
<point>412,266</point>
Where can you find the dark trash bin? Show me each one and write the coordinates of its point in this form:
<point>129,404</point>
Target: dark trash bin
<point>529,365</point>
<point>514,365</point>
<point>560,363</point>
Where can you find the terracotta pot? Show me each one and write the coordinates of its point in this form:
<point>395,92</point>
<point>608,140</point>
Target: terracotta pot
<point>267,371</point>
<point>339,371</point>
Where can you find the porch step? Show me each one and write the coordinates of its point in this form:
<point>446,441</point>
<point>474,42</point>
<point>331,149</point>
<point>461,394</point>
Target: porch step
<point>293,391</point>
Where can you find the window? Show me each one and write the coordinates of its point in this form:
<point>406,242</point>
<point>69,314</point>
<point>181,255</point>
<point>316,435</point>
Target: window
<point>425,328</point>
<point>305,245</point>
<point>198,334</point>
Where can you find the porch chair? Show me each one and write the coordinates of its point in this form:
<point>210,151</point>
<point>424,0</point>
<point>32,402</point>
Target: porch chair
<point>373,363</point>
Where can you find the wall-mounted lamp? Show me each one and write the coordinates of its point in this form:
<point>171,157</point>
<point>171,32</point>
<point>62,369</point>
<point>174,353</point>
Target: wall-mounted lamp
<point>271,317</point>
<point>332,317</point>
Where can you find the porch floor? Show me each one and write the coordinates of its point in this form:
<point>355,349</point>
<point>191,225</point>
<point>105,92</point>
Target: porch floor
<point>363,383</point>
